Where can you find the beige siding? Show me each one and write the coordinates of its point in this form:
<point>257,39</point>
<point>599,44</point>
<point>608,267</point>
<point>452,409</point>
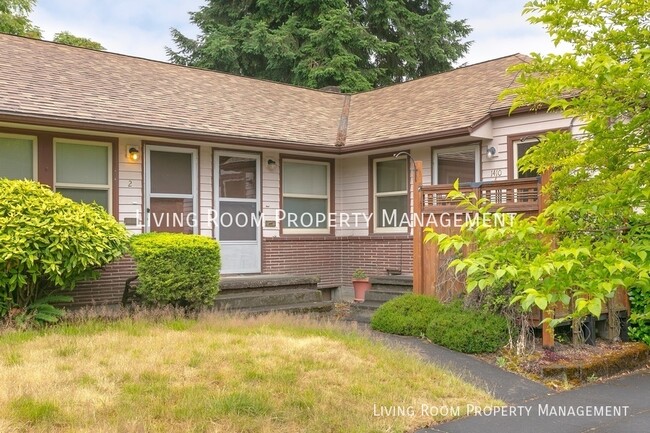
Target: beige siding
<point>352,194</point>
<point>270,192</point>
<point>130,184</point>
<point>497,168</point>
<point>206,191</point>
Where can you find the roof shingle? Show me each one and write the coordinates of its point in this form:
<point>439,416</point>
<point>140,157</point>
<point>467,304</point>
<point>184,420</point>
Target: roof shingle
<point>43,79</point>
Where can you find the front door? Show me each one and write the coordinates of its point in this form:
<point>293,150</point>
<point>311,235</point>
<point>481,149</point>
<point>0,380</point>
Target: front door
<point>237,199</point>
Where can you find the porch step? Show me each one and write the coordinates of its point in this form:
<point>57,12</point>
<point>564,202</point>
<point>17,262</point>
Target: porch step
<point>266,298</point>
<point>305,307</point>
<point>266,283</point>
<point>383,289</point>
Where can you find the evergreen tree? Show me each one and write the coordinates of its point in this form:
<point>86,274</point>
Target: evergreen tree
<point>354,44</point>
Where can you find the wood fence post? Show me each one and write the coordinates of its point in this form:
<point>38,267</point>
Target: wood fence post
<point>418,267</point>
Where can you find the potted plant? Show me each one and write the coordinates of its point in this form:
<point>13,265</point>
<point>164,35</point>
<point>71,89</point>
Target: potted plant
<point>361,285</point>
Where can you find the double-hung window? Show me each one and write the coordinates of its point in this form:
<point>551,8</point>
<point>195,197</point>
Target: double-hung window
<point>305,196</point>
<point>82,171</point>
<point>17,157</point>
<point>462,163</point>
<point>390,194</point>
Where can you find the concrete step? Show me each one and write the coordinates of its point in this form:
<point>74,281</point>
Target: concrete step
<point>382,295</point>
<point>264,298</point>
<point>367,305</point>
<point>298,308</point>
<point>360,315</point>
<point>249,283</point>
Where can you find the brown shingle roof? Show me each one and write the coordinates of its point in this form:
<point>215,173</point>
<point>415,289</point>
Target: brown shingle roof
<point>52,81</point>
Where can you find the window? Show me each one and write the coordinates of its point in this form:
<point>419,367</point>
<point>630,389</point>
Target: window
<point>17,157</point>
<point>390,195</point>
<point>82,171</point>
<point>520,148</point>
<point>461,163</point>
<point>305,196</point>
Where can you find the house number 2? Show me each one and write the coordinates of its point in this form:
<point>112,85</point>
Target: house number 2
<point>130,184</point>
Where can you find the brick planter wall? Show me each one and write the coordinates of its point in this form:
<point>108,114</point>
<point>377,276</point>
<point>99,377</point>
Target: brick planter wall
<point>108,289</point>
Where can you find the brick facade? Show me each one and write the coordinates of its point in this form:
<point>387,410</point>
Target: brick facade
<point>334,259</point>
<point>108,289</point>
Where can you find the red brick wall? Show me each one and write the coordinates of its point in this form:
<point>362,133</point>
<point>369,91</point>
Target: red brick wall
<point>108,289</point>
<point>334,259</point>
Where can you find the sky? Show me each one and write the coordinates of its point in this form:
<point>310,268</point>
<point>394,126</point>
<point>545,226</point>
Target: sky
<point>141,27</point>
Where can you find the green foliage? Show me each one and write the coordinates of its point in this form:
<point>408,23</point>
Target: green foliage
<point>359,274</point>
<point>406,315</point>
<point>595,235</point>
<point>639,325</point>
<point>14,18</point>
<point>468,331</point>
<point>177,269</point>
<point>352,44</point>
<point>48,243</point>
<point>68,38</point>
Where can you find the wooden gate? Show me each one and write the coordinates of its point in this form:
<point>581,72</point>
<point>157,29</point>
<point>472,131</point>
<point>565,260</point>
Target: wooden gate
<point>431,207</point>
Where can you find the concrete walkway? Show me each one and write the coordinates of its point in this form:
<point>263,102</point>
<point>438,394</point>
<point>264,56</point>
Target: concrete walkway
<point>620,405</point>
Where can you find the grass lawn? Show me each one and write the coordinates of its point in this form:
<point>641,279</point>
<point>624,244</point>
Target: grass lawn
<point>215,374</point>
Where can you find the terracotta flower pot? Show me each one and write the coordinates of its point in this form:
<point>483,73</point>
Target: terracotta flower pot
<point>361,286</point>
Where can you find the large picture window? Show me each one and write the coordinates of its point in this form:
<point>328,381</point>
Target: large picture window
<point>390,195</point>
<point>305,196</point>
<point>462,162</point>
<point>17,157</point>
<point>82,171</point>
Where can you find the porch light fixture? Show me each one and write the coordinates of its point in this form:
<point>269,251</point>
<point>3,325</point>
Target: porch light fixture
<point>133,153</point>
<point>271,163</point>
<point>491,152</point>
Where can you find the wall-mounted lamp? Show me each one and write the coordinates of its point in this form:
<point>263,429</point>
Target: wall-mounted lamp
<point>271,163</point>
<point>491,152</point>
<point>133,153</point>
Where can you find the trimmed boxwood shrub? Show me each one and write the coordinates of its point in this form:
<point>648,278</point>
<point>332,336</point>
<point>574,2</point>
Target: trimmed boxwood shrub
<point>176,269</point>
<point>639,325</point>
<point>468,331</point>
<point>48,243</point>
<point>406,315</point>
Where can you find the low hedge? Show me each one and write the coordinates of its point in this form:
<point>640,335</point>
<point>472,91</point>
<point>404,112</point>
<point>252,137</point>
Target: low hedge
<point>468,331</point>
<point>639,328</point>
<point>406,315</point>
<point>176,269</point>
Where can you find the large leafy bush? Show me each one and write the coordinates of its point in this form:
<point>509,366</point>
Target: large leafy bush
<point>639,329</point>
<point>406,315</point>
<point>48,243</point>
<point>176,269</point>
<point>468,331</point>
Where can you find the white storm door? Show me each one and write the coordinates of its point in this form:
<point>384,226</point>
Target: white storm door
<point>237,199</point>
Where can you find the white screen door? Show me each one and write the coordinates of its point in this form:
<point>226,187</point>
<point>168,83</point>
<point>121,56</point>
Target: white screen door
<point>171,191</point>
<point>237,199</point>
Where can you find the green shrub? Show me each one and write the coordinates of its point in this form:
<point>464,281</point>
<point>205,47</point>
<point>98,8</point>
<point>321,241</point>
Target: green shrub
<point>468,331</point>
<point>176,269</point>
<point>406,315</point>
<point>49,243</point>
<point>639,325</point>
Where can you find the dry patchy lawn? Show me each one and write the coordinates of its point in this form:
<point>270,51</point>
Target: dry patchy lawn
<point>215,374</point>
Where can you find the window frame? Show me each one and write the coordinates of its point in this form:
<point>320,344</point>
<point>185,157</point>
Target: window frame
<point>376,195</point>
<point>34,140</point>
<point>312,231</point>
<point>108,187</point>
<point>515,156</point>
<point>454,149</point>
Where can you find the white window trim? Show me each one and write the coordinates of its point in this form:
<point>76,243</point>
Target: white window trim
<point>456,149</point>
<point>34,150</point>
<point>195,183</point>
<point>309,231</point>
<point>95,187</point>
<point>515,155</point>
<point>375,195</point>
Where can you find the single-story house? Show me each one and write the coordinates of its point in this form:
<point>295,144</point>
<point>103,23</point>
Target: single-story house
<point>167,147</point>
